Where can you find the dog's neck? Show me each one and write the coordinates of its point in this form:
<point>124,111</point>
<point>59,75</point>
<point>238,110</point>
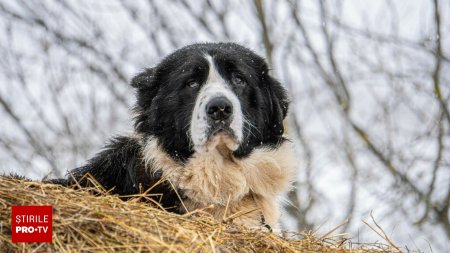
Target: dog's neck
<point>217,178</point>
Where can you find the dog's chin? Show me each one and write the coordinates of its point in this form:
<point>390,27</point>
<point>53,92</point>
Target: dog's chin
<point>221,139</point>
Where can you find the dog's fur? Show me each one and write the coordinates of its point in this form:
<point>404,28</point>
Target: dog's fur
<point>185,156</point>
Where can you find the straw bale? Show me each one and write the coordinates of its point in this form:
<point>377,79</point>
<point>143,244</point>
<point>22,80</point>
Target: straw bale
<point>86,222</point>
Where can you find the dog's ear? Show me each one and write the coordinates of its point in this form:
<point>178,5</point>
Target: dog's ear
<point>278,106</point>
<point>143,79</point>
<point>147,87</point>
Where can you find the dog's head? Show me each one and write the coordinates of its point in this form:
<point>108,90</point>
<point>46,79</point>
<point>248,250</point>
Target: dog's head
<point>208,95</point>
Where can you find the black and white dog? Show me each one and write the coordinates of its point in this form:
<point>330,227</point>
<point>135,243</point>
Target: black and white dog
<point>208,134</point>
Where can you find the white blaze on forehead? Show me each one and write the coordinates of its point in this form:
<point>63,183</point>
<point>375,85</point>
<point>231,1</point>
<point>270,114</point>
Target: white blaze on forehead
<point>215,86</point>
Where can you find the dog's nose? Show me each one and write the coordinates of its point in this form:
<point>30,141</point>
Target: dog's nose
<point>219,108</point>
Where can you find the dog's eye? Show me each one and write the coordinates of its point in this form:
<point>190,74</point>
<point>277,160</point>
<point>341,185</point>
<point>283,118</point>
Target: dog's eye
<point>237,79</point>
<point>192,84</point>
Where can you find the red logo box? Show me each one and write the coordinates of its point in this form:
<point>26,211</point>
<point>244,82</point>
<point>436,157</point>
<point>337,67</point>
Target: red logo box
<point>31,224</point>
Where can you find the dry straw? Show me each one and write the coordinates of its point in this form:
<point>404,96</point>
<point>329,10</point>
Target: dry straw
<point>83,222</point>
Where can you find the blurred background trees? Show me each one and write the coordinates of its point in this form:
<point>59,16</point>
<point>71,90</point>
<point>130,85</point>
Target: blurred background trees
<point>369,82</point>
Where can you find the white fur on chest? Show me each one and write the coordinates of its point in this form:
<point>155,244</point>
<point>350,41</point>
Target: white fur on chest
<point>217,178</point>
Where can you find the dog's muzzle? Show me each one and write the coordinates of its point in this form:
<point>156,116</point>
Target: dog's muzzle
<point>217,117</point>
<point>219,111</point>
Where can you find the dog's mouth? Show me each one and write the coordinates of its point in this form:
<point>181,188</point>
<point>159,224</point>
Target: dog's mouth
<point>222,135</point>
<point>220,127</point>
